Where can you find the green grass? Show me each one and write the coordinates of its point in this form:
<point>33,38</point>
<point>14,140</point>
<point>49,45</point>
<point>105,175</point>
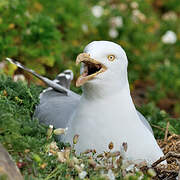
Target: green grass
<point>26,140</point>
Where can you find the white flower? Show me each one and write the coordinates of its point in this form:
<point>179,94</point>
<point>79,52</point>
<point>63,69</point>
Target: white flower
<point>2,65</point>
<point>82,174</point>
<point>19,77</point>
<point>97,11</point>
<point>169,37</point>
<point>134,5</point>
<point>28,31</point>
<point>82,165</point>
<point>170,16</point>
<point>49,154</point>
<point>138,14</point>
<point>113,33</point>
<point>122,7</point>
<point>51,126</point>
<point>110,175</point>
<point>116,21</point>
<point>84,28</point>
<point>27,14</point>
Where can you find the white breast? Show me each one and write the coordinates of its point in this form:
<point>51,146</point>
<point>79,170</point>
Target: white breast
<point>98,122</point>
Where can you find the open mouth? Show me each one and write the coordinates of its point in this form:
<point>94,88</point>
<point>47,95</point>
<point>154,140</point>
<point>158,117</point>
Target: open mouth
<point>91,68</point>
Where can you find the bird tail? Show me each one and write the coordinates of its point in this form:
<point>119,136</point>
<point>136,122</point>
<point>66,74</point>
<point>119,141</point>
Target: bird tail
<point>56,86</point>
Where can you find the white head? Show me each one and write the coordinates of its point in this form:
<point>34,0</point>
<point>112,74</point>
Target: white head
<point>104,66</point>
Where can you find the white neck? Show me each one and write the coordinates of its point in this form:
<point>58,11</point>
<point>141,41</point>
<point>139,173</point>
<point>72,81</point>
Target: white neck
<point>96,91</point>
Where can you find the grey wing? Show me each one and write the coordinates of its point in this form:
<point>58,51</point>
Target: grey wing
<point>57,103</point>
<point>56,108</point>
<point>145,122</point>
<point>56,86</point>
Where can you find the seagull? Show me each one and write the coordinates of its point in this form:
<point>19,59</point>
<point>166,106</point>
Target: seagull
<point>104,112</point>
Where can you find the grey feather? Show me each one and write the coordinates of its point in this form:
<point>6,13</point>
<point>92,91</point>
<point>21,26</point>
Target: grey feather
<point>49,82</point>
<point>145,122</point>
<point>56,108</point>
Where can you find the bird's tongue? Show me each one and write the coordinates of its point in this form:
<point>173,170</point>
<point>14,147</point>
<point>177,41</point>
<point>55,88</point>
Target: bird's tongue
<point>82,79</point>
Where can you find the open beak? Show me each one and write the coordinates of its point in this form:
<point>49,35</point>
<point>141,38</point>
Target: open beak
<point>91,68</point>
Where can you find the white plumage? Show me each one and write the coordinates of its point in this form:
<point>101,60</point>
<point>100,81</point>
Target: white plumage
<point>106,111</point>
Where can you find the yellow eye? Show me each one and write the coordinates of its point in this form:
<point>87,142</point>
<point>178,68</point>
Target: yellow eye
<point>111,57</point>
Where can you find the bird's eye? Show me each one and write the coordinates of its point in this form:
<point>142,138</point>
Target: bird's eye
<point>111,57</point>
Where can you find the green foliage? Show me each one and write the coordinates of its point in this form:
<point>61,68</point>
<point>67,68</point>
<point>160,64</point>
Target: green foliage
<point>23,137</point>
<point>47,37</point>
<point>34,30</point>
<point>159,119</point>
<point>27,142</point>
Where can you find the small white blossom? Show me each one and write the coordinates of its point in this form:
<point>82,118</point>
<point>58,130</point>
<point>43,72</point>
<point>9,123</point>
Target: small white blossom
<point>169,37</point>
<point>122,7</point>
<point>28,31</point>
<point>84,28</point>
<point>2,65</point>
<point>49,154</point>
<point>82,174</point>
<point>134,5</point>
<point>27,14</point>
<point>110,175</point>
<point>82,165</point>
<point>116,21</point>
<point>113,33</point>
<point>170,16</point>
<point>51,126</point>
<point>97,11</point>
<point>138,14</point>
<point>19,77</point>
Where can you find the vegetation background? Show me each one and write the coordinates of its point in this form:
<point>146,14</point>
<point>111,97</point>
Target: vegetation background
<point>47,36</point>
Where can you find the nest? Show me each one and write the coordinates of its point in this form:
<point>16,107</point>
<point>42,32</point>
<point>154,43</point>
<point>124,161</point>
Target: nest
<point>171,148</point>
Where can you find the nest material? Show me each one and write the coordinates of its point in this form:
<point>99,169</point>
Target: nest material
<point>171,149</point>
